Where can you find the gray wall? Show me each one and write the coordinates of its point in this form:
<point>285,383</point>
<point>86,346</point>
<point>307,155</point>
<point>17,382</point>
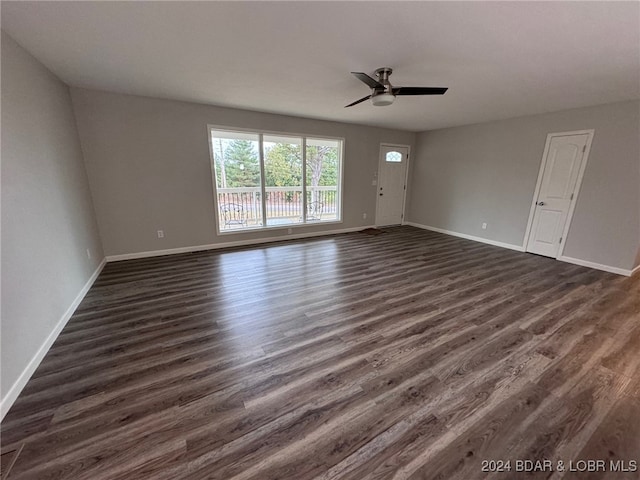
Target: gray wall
<point>487,172</point>
<point>47,215</point>
<point>149,168</point>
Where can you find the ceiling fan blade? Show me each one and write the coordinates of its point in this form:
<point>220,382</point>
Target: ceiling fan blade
<point>358,101</point>
<point>372,82</point>
<point>419,90</point>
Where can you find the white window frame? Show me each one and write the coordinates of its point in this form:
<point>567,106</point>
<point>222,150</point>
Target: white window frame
<point>261,134</point>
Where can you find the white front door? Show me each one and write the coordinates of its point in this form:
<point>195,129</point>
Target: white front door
<point>558,190</point>
<point>392,176</point>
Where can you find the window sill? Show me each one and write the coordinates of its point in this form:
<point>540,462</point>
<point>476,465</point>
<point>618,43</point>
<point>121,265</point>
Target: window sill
<point>292,226</point>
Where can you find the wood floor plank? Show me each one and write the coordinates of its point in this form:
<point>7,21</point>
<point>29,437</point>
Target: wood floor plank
<point>486,439</point>
<point>404,355</point>
<point>559,429</point>
<point>616,443</point>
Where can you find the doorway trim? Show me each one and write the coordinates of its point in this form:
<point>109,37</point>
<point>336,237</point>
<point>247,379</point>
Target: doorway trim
<point>406,178</point>
<point>543,164</point>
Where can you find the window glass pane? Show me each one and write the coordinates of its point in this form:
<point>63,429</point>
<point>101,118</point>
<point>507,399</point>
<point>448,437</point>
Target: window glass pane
<point>283,179</point>
<point>242,173</point>
<point>237,175</point>
<point>393,157</point>
<point>323,179</point>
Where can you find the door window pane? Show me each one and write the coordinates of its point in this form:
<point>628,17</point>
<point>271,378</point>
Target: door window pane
<point>283,179</point>
<point>393,157</point>
<point>237,175</point>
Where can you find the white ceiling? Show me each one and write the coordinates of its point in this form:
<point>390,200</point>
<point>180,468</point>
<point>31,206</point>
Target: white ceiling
<point>499,59</point>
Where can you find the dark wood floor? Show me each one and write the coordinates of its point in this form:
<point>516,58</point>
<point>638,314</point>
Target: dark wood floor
<point>406,355</point>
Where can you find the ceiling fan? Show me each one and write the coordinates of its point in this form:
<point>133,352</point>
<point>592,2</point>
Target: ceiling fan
<point>383,93</point>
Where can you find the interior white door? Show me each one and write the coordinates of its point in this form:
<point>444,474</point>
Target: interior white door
<point>565,156</point>
<point>392,175</point>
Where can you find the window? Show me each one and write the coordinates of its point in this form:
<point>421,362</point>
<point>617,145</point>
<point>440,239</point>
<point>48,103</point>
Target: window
<point>265,180</point>
<point>393,157</point>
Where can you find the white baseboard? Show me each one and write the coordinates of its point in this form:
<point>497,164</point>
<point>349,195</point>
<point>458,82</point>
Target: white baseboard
<point>16,388</point>
<point>238,243</point>
<point>510,246</point>
<point>597,266</point>
<point>635,270</point>
<point>519,248</point>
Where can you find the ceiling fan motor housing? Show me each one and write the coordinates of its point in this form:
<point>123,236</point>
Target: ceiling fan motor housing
<point>382,98</point>
<point>383,76</point>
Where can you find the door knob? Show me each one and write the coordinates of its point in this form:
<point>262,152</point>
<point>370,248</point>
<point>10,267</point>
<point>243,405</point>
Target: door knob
<point>541,203</point>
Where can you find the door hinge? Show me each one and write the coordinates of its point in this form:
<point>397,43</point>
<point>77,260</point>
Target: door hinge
<point>405,187</point>
<point>571,198</point>
<point>560,240</point>
<point>584,148</point>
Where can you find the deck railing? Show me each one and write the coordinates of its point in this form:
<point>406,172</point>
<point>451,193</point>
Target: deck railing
<point>283,204</point>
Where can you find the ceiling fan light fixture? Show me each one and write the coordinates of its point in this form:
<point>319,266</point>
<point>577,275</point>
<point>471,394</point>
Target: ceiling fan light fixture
<point>383,99</point>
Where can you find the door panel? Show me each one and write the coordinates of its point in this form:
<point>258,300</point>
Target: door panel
<point>548,227</point>
<point>559,178</point>
<point>392,174</point>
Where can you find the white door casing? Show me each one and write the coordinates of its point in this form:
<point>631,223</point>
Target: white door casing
<point>561,172</point>
<point>391,188</point>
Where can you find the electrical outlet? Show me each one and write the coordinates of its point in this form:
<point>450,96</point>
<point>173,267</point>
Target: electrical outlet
<point>88,254</point>
<point>160,233</point>
<point>364,216</point>
<point>484,226</point>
